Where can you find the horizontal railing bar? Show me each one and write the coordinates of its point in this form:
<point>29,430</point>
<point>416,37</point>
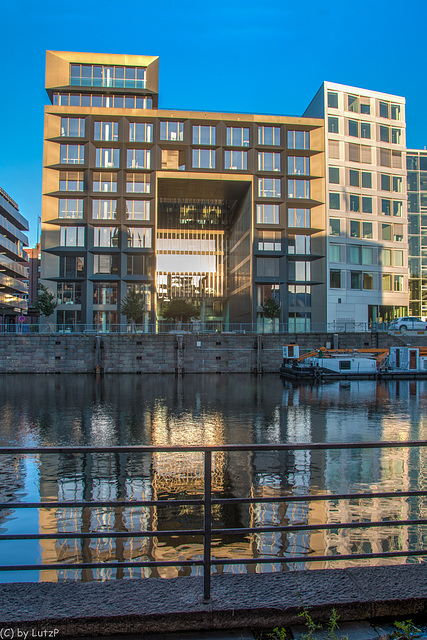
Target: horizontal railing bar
<point>199,532</point>
<point>101,565</point>
<point>199,502</point>
<point>297,446</point>
<point>214,561</point>
<point>319,496</point>
<point>94,505</point>
<point>99,534</point>
<point>310,558</point>
<point>366,524</point>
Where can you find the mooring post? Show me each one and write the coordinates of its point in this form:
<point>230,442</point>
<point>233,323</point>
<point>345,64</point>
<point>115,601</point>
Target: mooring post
<point>207,527</point>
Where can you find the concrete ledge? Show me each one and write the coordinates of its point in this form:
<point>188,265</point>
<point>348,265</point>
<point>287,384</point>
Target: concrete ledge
<point>238,601</point>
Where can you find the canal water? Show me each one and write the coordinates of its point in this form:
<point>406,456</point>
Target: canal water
<point>47,410</point>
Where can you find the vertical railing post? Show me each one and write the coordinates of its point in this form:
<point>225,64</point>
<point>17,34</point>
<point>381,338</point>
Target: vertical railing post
<point>207,506</point>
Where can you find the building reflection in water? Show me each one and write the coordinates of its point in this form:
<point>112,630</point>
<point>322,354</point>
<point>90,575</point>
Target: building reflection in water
<point>214,410</point>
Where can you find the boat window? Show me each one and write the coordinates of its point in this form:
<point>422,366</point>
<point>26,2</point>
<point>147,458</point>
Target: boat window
<point>345,364</point>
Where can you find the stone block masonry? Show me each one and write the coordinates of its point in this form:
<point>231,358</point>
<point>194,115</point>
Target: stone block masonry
<point>167,353</point>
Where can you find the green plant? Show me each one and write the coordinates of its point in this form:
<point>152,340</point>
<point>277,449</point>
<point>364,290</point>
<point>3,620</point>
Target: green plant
<point>312,626</point>
<point>46,302</point>
<point>405,630</point>
<point>271,309</point>
<point>333,626</point>
<point>278,634</point>
<point>180,310</point>
<point>133,307</point>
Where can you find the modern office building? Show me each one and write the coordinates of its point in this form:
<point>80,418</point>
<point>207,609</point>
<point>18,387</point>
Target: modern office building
<point>34,265</point>
<point>13,262</point>
<point>416,162</point>
<point>224,210</point>
<point>367,243</point>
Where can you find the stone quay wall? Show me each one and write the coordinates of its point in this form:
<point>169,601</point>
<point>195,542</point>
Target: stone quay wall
<point>169,353</point>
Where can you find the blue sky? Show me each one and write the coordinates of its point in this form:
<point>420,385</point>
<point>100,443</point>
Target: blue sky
<point>255,57</point>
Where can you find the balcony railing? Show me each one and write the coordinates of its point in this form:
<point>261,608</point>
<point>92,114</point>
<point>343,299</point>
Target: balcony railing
<point>209,502</point>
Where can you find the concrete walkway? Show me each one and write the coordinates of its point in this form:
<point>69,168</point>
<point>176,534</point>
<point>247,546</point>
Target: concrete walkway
<point>238,602</point>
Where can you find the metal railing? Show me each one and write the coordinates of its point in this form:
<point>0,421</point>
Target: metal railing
<point>208,502</point>
<point>195,328</point>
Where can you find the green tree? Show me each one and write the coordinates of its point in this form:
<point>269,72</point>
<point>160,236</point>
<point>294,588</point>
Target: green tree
<point>46,302</point>
<point>271,309</point>
<point>180,311</point>
<point>133,307</point>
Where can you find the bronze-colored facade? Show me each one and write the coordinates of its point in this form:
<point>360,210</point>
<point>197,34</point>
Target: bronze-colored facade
<point>223,210</point>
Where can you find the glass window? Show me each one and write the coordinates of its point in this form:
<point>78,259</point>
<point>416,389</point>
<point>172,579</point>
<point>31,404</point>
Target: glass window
<point>173,159</point>
<point>354,203</point>
<point>104,181</point>
<point>333,125</point>
<point>71,267</point>
<point>105,293</point>
<point>267,213</point>
<point>106,131</point>
<point>353,104</point>
<point>139,237</point>
<point>398,232</point>
<point>355,280</point>
<point>269,187</point>
<point>413,203</point>
<point>299,245</point>
<point>385,158</point>
<point>72,154</point>
<point>137,265</point>
<point>412,163</point>
<point>106,264</point>
<point>72,237</point>
<point>386,232</point>
<point>140,132</point>
<point>104,209</point>
<point>298,165</point>
<point>365,130</point>
<point>368,281</point>
<point>398,283</point>
<point>105,237</point>
<point>384,134</point>
<point>365,107</point>
<point>332,100</point>
<point>366,180</point>
<point>108,158</point>
<point>269,136</point>
<point>423,181</point>
<point>335,279</point>
<point>138,159</point>
<point>397,208</point>
<point>96,75</point>
<point>395,136</point>
<point>412,181</point>
<point>269,241</point>
<point>204,158</point>
<point>367,230</point>
<point>299,271</point>
<point>386,255</point>
<point>367,255</point>
<point>204,134</point>
<point>354,178</point>
<point>398,258</point>
<point>70,208</point>
<point>387,282</point>
<point>334,175</point>
<point>137,209</point>
<point>386,207</point>
<point>237,160</point>
<point>237,137</point>
<point>385,182</point>
<point>395,111</point>
<point>268,161</point>
<point>73,127</point>
<point>366,204</point>
<point>334,226</point>
<point>397,184</point>
<point>334,201</point>
<point>267,267</point>
<point>137,183</point>
<point>353,128</point>
<point>335,252</point>
<point>299,189</point>
<point>172,131</point>
<point>69,293</point>
<point>300,218</point>
<point>71,181</point>
<point>298,140</point>
<point>354,229</point>
<point>384,109</point>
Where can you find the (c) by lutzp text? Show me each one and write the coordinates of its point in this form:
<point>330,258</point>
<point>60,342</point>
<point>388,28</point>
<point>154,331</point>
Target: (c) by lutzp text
<point>15,633</point>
